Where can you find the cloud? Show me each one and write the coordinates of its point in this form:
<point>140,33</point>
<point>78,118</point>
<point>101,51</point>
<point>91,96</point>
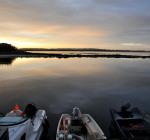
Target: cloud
<point>76,22</point>
<point>132,44</point>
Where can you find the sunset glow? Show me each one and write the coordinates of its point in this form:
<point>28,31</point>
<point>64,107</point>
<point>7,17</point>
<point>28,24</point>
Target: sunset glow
<point>75,24</point>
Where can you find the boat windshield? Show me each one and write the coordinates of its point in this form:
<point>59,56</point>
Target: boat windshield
<point>6,121</point>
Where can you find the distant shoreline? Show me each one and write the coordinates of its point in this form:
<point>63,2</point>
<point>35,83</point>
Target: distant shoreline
<point>10,51</point>
<point>36,55</point>
<point>84,50</point>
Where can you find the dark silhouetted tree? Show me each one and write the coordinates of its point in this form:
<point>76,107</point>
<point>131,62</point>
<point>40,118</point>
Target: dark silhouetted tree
<point>4,47</point>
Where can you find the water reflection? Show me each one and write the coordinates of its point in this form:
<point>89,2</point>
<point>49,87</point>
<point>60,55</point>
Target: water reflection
<point>92,52</point>
<point>6,61</point>
<point>58,85</point>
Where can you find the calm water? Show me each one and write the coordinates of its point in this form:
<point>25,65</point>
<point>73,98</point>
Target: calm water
<point>58,85</point>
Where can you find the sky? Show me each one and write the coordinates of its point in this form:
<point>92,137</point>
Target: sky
<point>104,24</point>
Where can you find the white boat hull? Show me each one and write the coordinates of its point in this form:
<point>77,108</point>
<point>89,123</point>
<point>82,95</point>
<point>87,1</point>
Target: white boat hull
<point>30,129</point>
<point>91,124</point>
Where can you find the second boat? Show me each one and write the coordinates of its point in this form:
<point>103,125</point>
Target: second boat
<point>79,127</point>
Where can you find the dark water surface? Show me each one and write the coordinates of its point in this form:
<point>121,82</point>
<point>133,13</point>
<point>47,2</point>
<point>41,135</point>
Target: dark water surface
<point>92,84</point>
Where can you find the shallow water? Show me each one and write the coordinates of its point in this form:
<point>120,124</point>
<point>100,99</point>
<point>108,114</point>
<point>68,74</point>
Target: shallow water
<point>93,84</point>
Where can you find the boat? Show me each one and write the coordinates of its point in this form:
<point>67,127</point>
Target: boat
<point>77,126</point>
<point>23,125</point>
<point>133,123</point>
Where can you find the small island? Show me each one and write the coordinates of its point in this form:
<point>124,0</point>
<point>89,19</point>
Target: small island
<point>10,49</point>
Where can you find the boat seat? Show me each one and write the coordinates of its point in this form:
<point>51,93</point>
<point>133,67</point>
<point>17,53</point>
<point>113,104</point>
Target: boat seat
<point>126,114</point>
<point>136,129</point>
<point>119,117</point>
<point>76,125</point>
<point>78,122</point>
<point>127,122</point>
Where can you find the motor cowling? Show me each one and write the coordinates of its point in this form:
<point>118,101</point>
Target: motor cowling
<point>30,110</point>
<point>76,112</point>
<point>125,106</point>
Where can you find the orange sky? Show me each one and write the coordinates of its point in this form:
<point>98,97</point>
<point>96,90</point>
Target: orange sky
<point>75,24</point>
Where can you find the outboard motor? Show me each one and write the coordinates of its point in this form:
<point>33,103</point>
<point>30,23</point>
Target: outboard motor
<point>125,107</point>
<point>30,110</point>
<point>4,133</point>
<point>76,117</point>
<point>76,112</point>
<point>124,112</point>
